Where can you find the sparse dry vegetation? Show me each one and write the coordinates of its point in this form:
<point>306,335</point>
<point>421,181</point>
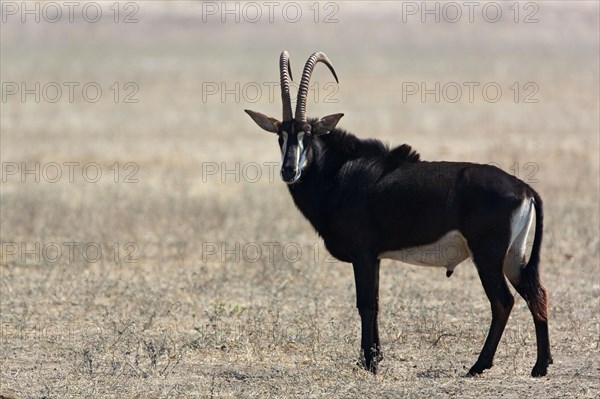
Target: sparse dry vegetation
<point>211,287</point>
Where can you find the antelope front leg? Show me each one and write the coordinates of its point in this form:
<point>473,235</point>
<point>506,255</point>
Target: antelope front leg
<point>366,276</point>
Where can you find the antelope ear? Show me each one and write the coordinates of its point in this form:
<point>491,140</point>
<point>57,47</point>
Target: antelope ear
<point>266,122</point>
<point>326,124</point>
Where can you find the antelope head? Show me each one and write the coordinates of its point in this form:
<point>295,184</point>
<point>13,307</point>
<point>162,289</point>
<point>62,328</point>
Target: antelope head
<point>296,133</point>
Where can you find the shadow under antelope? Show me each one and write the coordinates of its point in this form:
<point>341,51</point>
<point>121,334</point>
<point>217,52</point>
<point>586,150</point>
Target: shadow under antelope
<point>369,202</point>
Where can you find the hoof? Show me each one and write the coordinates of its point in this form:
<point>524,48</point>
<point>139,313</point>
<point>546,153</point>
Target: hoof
<point>370,367</point>
<point>541,366</point>
<point>540,369</point>
<point>478,368</point>
<point>371,362</point>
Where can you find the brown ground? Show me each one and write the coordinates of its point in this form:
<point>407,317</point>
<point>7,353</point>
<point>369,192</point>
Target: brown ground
<point>271,315</point>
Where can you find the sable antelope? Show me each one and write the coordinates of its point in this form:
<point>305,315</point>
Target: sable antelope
<point>369,202</point>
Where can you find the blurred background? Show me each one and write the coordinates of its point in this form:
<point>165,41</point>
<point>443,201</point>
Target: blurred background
<point>123,134</point>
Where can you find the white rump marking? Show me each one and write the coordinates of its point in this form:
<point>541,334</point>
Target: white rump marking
<point>521,217</point>
<point>520,224</point>
<point>449,251</point>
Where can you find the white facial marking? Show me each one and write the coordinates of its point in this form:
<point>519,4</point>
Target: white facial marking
<point>449,251</point>
<point>301,156</point>
<point>284,145</point>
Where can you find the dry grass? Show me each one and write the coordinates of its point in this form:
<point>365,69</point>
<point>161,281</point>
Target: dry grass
<point>181,322</point>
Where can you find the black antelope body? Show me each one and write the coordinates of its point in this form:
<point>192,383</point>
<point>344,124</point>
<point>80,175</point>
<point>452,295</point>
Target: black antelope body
<point>369,202</point>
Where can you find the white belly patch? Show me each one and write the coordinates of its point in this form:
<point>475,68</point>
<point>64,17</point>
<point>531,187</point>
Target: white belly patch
<point>448,252</point>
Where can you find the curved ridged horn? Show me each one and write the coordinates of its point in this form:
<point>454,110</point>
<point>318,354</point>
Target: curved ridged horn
<point>303,89</point>
<point>285,74</point>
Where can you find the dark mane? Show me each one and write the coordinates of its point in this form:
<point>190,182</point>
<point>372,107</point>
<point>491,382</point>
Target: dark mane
<point>348,144</point>
<point>398,156</point>
<point>352,147</point>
